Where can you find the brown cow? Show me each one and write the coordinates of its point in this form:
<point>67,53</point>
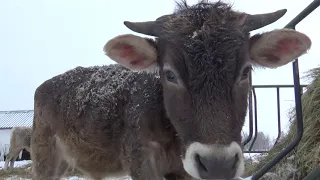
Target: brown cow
<point>20,139</point>
<point>179,117</point>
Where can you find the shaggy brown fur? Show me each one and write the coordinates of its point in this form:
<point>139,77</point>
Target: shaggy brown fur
<point>182,120</point>
<point>20,139</point>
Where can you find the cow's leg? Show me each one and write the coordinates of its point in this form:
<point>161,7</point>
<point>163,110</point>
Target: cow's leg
<point>44,151</point>
<point>20,154</point>
<point>13,160</point>
<point>145,169</point>
<point>62,168</point>
<point>8,159</point>
<point>13,153</point>
<point>144,174</point>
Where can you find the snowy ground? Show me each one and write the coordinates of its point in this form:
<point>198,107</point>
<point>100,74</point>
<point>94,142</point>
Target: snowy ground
<point>254,156</point>
<point>23,163</point>
<point>16,163</point>
<point>69,178</point>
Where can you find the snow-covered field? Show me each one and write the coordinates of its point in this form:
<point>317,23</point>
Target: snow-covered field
<point>16,163</point>
<point>23,163</point>
<point>254,156</point>
<point>69,178</point>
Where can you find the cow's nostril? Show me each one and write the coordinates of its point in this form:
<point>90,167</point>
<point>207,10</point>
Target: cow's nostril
<point>216,167</point>
<point>236,159</point>
<point>200,163</point>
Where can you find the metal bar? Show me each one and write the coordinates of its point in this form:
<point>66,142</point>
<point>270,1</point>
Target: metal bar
<point>279,117</point>
<point>297,139</point>
<point>250,114</point>
<point>275,86</point>
<point>278,107</point>
<point>256,151</point>
<point>314,175</point>
<point>312,6</point>
<point>255,119</point>
<point>303,14</point>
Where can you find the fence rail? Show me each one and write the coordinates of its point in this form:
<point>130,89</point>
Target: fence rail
<point>297,91</point>
<point>253,121</point>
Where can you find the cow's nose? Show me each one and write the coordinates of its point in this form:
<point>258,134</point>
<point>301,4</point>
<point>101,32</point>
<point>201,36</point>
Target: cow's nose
<point>214,161</point>
<point>217,167</point>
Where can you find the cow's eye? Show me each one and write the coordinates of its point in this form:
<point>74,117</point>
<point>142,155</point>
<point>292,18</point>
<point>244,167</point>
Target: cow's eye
<point>245,73</point>
<point>171,76</point>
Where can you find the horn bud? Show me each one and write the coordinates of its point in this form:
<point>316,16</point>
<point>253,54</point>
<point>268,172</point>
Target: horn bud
<point>253,22</point>
<point>152,28</point>
<point>148,28</point>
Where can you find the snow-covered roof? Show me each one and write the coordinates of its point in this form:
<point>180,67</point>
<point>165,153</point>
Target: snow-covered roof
<point>10,119</point>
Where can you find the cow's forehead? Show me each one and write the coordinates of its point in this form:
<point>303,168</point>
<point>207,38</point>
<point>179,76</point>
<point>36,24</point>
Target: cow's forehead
<point>203,10</point>
<point>211,56</point>
<point>212,42</point>
<point>188,19</point>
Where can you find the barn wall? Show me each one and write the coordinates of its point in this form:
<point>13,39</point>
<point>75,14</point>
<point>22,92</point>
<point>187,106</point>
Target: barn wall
<point>4,142</point>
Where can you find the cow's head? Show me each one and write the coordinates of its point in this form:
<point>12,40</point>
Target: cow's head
<point>204,55</point>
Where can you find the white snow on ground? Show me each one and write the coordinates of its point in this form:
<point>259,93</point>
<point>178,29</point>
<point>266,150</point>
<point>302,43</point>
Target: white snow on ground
<point>22,163</point>
<point>16,178</point>
<point>254,156</point>
<point>68,178</point>
<point>80,178</point>
<point>16,163</point>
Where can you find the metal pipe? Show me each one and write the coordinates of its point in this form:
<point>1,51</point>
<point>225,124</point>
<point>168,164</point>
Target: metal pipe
<point>279,117</point>
<point>314,175</point>
<point>303,14</point>
<point>311,7</point>
<point>255,118</point>
<point>256,151</point>
<point>250,114</point>
<point>275,86</point>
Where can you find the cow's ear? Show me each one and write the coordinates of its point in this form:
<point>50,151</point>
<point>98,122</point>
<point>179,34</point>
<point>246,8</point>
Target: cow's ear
<point>131,51</point>
<point>278,47</point>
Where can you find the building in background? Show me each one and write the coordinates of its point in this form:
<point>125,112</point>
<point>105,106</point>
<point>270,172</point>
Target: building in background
<point>9,120</point>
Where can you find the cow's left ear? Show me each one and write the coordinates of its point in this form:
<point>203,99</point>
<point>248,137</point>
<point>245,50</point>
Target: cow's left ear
<point>278,47</point>
<point>132,52</point>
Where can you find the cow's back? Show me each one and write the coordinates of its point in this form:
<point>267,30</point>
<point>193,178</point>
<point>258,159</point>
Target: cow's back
<point>91,110</point>
<point>82,95</point>
<point>21,136</point>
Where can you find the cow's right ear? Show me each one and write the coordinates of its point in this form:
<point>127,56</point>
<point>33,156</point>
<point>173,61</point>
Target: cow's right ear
<point>131,51</point>
<point>278,47</point>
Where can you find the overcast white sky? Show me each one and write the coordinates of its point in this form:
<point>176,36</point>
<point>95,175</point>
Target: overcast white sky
<point>40,39</point>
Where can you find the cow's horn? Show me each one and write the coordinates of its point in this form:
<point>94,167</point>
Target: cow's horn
<point>152,28</point>
<point>257,21</point>
<point>147,28</point>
